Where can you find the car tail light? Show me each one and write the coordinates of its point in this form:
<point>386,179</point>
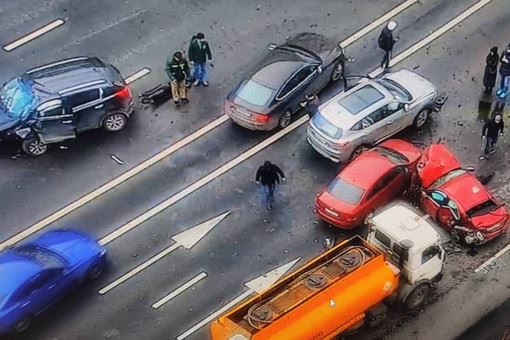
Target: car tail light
<point>124,93</point>
<point>261,118</point>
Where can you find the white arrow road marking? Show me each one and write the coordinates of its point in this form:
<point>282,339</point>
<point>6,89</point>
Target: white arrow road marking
<point>179,290</point>
<point>186,239</point>
<point>487,263</point>
<point>161,155</point>
<point>256,285</point>
<point>434,35</point>
<point>34,35</point>
<point>135,76</point>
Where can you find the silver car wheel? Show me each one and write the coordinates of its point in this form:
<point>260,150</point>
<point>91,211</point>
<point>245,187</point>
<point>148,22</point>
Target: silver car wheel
<point>285,119</point>
<point>421,118</point>
<point>115,122</point>
<point>34,147</point>
<point>337,72</point>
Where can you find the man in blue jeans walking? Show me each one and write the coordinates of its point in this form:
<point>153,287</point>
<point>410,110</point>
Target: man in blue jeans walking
<point>269,175</point>
<point>199,53</point>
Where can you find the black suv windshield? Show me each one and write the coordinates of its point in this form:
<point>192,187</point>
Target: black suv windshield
<point>483,208</point>
<point>17,98</point>
<point>44,257</point>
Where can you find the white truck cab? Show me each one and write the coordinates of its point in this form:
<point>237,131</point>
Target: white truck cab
<point>412,245</point>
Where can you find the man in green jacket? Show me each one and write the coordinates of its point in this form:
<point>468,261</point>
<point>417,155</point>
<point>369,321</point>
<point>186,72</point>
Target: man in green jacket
<point>199,53</point>
<point>177,69</point>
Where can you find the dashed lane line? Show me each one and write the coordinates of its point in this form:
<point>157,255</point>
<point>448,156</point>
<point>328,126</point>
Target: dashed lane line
<point>179,290</point>
<point>34,35</point>
<point>171,149</point>
<point>485,266</point>
<point>434,35</point>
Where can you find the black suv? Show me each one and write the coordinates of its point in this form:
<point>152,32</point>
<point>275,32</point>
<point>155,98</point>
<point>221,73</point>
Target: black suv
<point>55,102</point>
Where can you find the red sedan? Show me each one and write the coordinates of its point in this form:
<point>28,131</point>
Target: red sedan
<point>456,199</point>
<point>371,180</point>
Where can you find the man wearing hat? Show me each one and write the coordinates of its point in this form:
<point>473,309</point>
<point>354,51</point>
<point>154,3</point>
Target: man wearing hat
<point>386,42</point>
<point>199,53</point>
<point>177,69</point>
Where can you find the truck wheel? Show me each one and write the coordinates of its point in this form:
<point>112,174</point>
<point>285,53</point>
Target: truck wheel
<point>417,296</point>
<point>34,147</point>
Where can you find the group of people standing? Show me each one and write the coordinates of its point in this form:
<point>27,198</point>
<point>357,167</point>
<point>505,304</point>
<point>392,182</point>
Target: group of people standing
<point>179,71</point>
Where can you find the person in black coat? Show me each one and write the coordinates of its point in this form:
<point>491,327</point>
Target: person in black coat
<point>504,71</point>
<point>490,132</point>
<point>386,42</point>
<point>269,175</point>
<point>491,69</point>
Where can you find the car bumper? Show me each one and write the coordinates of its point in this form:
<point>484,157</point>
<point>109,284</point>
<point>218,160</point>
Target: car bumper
<point>335,221</point>
<point>334,155</point>
<point>251,124</point>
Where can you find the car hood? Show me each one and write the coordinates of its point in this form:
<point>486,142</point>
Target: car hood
<point>418,86</point>
<point>74,246</point>
<point>6,121</point>
<point>435,162</point>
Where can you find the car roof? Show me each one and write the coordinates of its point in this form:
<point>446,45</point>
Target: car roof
<point>466,190</point>
<point>402,222</point>
<point>15,270</point>
<point>341,117</point>
<point>70,73</point>
<point>276,71</point>
<point>361,170</point>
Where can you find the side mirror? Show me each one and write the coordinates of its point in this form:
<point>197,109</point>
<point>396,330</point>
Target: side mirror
<point>319,69</point>
<point>406,107</point>
<point>271,46</point>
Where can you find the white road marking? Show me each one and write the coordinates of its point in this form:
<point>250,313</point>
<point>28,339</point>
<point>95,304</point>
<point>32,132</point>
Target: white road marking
<point>484,266</point>
<point>434,35</point>
<point>367,29</point>
<point>113,183</point>
<point>137,75</point>
<point>145,164</point>
<point>204,180</point>
<point>179,290</point>
<point>186,239</point>
<point>33,35</point>
<point>260,283</point>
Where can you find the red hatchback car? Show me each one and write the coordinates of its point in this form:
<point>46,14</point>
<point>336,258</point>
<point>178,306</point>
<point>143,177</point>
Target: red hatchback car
<point>371,180</point>
<point>456,199</point>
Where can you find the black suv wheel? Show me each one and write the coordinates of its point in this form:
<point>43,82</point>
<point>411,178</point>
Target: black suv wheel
<point>34,147</point>
<point>115,122</point>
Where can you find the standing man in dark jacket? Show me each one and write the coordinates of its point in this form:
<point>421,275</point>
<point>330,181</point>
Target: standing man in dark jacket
<point>269,175</point>
<point>386,42</point>
<point>504,71</point>
<point>490,132</point>
<point>491,70</point>
<point>177,69</point>
<point>199,53</point>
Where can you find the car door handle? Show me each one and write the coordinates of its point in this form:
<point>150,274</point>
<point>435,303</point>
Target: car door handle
<point>26,303</point>
<point>67,121</point>
<point>389,123</point>
<point>98,106</point>
<point>52,286</point>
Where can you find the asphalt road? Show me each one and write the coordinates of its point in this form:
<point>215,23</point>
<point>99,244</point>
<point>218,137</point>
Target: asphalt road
<point>249,241</point>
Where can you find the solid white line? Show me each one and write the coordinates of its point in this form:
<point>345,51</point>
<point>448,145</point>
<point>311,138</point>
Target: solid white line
<point>33,35</point>
<point>487,263</point>
<point>367,29</point>
<point>135,76</point>
<point>179,290</point>
<point>201,182</point>
<point>215,315</point>
<point>138,269</point>
<point>113,183</point>
<point>434,35</point>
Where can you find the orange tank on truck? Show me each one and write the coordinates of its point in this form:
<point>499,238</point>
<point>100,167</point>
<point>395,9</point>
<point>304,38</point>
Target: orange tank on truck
<point>347,286</point>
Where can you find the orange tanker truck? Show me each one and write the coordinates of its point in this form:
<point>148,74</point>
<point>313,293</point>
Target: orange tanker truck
<point>346,286</point>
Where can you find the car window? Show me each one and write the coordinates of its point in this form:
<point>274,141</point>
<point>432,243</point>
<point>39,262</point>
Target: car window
<point>345,191</point>
<point>42,256</point>
<point>391,108</point>
<point>360,99</point>
<point>370,120</point>
<point>255,93</point>
<point>445,178</point>
<point>326,127</point>
<point>295,80</point>
<point>395,89</point>
<point>381,237</point>
<point>429,253</point>
<point>84,97</point>
<point>383,182</point>
<point>53,111</point>
<point>444,201</point>
<point>17,98</point>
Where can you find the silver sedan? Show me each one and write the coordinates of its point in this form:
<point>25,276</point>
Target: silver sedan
<point>373,110</point>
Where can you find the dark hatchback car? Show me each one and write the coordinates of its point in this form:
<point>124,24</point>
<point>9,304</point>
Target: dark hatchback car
<point>55,102</point>
<point>271,93</point>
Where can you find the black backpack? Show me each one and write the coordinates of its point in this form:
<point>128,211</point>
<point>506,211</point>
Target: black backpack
<point>381,41</point>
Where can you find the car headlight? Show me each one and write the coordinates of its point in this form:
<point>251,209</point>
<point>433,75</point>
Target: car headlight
<point>238,337</point>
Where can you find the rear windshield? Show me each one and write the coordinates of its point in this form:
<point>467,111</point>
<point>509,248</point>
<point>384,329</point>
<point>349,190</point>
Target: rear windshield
<point>17,98</point>
<point>395,157</point>
<point>345,191</point>
<point>395,89</point>
<point>482,209</point>
<point>44,257</point>
<point>255,93</point>
<point>361,99</point>
<point>326,127</point>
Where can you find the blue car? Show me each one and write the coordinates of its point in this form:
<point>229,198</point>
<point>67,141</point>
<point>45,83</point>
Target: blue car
<point>37,273</point>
